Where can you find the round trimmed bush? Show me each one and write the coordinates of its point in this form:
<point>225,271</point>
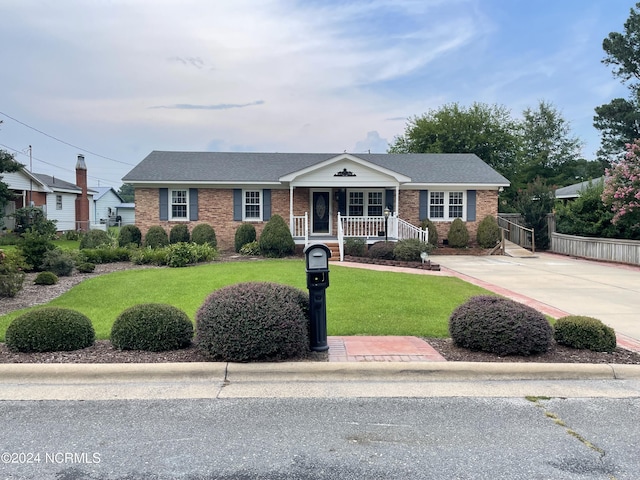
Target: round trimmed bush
<point>179,233</point>
<point>433,231</point>
<point>86,267</point>
<point>410,249</point>
<point>245,233</point>
<point>382,250</point>
<point>129,235</point>
<point>458,234</point>
<point>203,233</point>
<point>49,329</point>
<point>501,326</point>
<point>154,327</point>
<point>46,278</point>
<point>356,247</point>
<point>156,237</point>
<point>488,232</point>
<point>275,239</point>
<point>585,333</point>
<point>254,321</point>
<point>94,239</point>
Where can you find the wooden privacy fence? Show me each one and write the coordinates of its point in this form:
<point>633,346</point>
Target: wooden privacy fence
<point>607,249</point>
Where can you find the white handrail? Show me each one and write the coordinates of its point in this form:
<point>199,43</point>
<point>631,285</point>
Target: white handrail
<point>408,230</point>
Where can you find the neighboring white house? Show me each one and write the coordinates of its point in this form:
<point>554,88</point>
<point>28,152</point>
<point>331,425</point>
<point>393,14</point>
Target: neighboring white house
<point>61,201</point>
<point>108,208</point>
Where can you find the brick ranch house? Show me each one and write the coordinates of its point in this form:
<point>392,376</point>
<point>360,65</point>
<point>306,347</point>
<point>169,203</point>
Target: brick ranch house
<point>323,197</point>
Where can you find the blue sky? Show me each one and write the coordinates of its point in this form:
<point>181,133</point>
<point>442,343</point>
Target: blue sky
<point>117,79</point>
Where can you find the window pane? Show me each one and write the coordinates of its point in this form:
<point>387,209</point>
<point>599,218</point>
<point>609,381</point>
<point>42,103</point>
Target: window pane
<point>356,204</point>
<point>178,204</point>
<point>436,204</point>
<point>252,204</point>
<point>374,209</point>
<point>455,204</point>
<point>179,211</point>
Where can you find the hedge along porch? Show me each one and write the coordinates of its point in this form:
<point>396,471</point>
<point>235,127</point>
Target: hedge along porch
<point>321,196</point>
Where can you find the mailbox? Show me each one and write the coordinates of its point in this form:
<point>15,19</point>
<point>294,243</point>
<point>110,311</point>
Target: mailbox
<point>317,269</point>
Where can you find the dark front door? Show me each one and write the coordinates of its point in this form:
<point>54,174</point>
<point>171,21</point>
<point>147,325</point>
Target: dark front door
<point>320,212</point>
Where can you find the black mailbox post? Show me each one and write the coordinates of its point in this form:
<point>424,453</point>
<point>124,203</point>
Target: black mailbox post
<point>317,268</point>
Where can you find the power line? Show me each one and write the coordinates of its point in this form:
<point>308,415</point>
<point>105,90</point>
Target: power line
<point>66,143</point>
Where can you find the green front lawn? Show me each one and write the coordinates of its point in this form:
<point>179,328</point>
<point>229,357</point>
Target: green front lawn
<point>359,302</point>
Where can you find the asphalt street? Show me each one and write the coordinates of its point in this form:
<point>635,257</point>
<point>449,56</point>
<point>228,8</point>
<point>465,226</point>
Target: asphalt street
<point>278,439</point>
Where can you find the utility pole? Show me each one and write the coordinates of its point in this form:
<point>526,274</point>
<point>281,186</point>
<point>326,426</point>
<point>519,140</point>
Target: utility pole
<point>30,177</point>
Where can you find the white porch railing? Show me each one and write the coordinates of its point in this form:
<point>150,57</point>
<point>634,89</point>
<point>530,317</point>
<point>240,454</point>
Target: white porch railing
<point>300,227</point>
<point>340,238</point>
<point>367,227</point>
<point>407,230</point>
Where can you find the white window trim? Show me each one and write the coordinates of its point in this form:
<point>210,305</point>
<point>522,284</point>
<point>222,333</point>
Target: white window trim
<point>446,205</point>
<point>244,205</point>
<point>60,203</point>
<point>171,217</point>
<point>365,197</point>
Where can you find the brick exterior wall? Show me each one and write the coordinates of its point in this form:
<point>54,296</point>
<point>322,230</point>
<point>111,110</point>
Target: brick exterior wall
<point>215,207</point>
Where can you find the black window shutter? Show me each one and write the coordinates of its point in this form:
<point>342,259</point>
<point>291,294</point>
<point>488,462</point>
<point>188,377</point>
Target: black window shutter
<point>471,205</point>
<point>164,204</point>
<point>390,199</point>
<point>342,201</point>
<point>424,205</point>
<point>266,204</point>
<point>237,204</point>
<point>193,204</point>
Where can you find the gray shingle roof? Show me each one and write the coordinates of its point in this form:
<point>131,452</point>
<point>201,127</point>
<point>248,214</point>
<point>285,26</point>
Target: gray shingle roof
<point>232,167</point>
<point>573,191</point>
<point>56,183</point>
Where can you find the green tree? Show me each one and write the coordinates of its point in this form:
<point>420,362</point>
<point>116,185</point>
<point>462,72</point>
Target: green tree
<point>534,203</point>
<point>587,215</point>
<point>8,164</point>
<point>486,130</point>
<point>618,120</point>
<point>126,193</point>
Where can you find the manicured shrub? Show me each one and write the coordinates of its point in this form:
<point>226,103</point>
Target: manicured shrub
<point>46,278</point>
<point>382,250</point>
<point>276,240</point>
<point>33,246</point>
<point>245,233</point>
<point>410,249</point>
<point>49,329</point>
<point>11,273</point>
<point>71,235</point>
<point>250,249</point>
<point>58,261</point>
<point>180,255</point>
<point>488,232</point>
<point>129,235</point>
<point>458,234</point>
<point>150,256</point>
<point>356,247</point>
<point>154,327</point>
<point>254,321</point>
<point>94,239</point>
<point>86,267</point>
<point>203,233</point>
<point>433,231</point>
<point>585,333</point>
<point>156,237</point>
<point>501,326</point>
<point>179,233</point>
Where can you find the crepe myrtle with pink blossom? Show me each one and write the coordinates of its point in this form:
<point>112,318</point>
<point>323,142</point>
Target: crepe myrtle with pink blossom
<point>622,187</point>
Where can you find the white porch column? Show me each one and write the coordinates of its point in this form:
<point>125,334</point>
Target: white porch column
<point>397,199</point>
<point>291,222</point>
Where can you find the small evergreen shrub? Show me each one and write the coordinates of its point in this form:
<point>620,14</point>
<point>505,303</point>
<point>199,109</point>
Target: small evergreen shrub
<point>250,249</point>
<point>254,321</point>
<point>585,333</point>
<point>94,239</point>
<point>355,247</point>
<point>129,235</point>
<point>433,231</point>
<point>153,327</point>
<point>488,232</point>
<point>86,267</point>
<point>49,329</point>
<point>150,256</point>
<point>410,249</point>
<point>46,278</point>
<point>458,234</point>
<point>501,326</point>
<point>58,261</point>
<point>179,233</point>
<point>156,237</point>
<point>180,255</point>
<point>71,235</point>
<point>9,239</point>
<point>245,233</point>
<point>276,240</point>
<point>11,273</point>
<point>203,233</point>
<point>382,250</point>
<point>33,246</point>
<point>105,254</point>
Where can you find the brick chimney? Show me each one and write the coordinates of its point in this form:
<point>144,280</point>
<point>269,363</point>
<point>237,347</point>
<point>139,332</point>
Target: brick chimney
<point>82,200</point>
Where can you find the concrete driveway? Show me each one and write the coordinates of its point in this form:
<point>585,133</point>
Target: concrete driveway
<point>609,292</point>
